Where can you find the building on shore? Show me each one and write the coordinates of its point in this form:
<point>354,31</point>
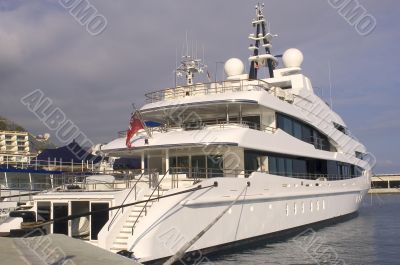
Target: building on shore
<point>14,147</point>
<point>385,183</point>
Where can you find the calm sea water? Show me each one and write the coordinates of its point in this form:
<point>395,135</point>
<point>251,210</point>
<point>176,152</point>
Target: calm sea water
<point>373,237</point>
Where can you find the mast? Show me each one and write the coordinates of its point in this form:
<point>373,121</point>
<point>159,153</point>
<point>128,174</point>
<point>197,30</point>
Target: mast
<point>257,60</point>
<point>190,65</point>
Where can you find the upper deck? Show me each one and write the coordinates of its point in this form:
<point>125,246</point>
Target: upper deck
<point>213,88</point>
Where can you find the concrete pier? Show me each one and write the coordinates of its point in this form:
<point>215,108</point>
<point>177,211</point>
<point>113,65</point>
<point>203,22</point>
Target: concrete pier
<point>56,249</point>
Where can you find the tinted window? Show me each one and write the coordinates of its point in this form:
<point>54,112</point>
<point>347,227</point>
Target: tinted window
<point>272,165</point>
<point>288,125</point>
<point>289,167</point>
<point>297,130</point>
<point>281,166</point>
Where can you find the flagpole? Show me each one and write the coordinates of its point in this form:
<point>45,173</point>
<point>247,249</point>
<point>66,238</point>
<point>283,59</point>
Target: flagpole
<point>141,120</point>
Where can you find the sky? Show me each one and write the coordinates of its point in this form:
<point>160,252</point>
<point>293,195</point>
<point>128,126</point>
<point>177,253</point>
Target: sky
<point>94,79</point>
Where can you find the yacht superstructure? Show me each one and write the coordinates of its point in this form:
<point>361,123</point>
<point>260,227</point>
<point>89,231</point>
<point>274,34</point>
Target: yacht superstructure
<point>267,154</point>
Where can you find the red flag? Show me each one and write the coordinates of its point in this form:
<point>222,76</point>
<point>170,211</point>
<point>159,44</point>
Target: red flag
<point>135,124</point>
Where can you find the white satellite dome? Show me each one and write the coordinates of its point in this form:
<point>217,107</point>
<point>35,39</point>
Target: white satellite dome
<point>292,58</point>
<point>234,67</point>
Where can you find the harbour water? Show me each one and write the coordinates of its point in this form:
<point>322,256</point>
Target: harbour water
<point>373,237</point>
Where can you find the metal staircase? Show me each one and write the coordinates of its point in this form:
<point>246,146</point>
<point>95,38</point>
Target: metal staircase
<point>135,215</point>
<point>121,241</point>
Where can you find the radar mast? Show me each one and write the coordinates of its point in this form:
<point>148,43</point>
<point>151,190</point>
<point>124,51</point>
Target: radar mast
<point>190,65</point>
<point>258,60</point>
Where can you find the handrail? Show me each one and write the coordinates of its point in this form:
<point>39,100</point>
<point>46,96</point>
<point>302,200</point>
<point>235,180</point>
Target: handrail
<point>305,176</point>
<point>53,164</point>
<point>201,173</point>
<point>205,124</point>
<point>126,197</point>
<point>149,199</point>
<point>207,88</point>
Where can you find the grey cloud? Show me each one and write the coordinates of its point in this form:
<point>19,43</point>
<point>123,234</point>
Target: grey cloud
<point>95,79</point>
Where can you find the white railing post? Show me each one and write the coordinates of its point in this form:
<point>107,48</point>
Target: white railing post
<point>72,165</point>
<point>5,179</point>
<point>30,181</point>
<point>52,181</point>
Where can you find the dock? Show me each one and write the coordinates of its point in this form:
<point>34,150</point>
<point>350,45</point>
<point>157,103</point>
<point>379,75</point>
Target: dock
<point>56,249</point>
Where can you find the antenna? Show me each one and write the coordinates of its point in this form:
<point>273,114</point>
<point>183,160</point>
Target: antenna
<point>176,65</point>
<point>330,83</point>
<point>190,64</point>
<point>204,61</point>
<point>187,44</point>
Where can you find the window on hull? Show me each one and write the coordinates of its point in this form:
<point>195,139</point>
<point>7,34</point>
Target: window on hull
<point>300,167</point>
<point>314,168</point>
<point>207,166</point>
<point>303,132</point>
<point>340,128</point>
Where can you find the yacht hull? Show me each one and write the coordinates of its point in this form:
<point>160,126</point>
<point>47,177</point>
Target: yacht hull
<point>254,242</point>
<point>271,206</point>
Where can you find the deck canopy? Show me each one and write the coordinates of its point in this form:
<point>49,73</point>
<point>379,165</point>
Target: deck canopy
<point>72,152</point>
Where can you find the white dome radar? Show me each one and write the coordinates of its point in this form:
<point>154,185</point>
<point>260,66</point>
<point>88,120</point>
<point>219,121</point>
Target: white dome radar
<point>233,67</point>
<point>292,58</point>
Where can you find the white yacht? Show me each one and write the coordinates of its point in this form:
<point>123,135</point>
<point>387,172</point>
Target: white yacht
<point>230,162</point>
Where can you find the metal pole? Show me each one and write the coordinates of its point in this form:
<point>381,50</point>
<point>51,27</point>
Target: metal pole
<point>240,114</point>
<point>142,162</point>
<point>6,180</point>
<point>30,181</point>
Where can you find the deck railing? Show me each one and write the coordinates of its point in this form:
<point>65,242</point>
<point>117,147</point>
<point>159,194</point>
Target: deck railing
<point>207,89</point>
<point>50,164</point>
<point>156,185</point>
<point>208,124</point>
<point>133,189</point>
